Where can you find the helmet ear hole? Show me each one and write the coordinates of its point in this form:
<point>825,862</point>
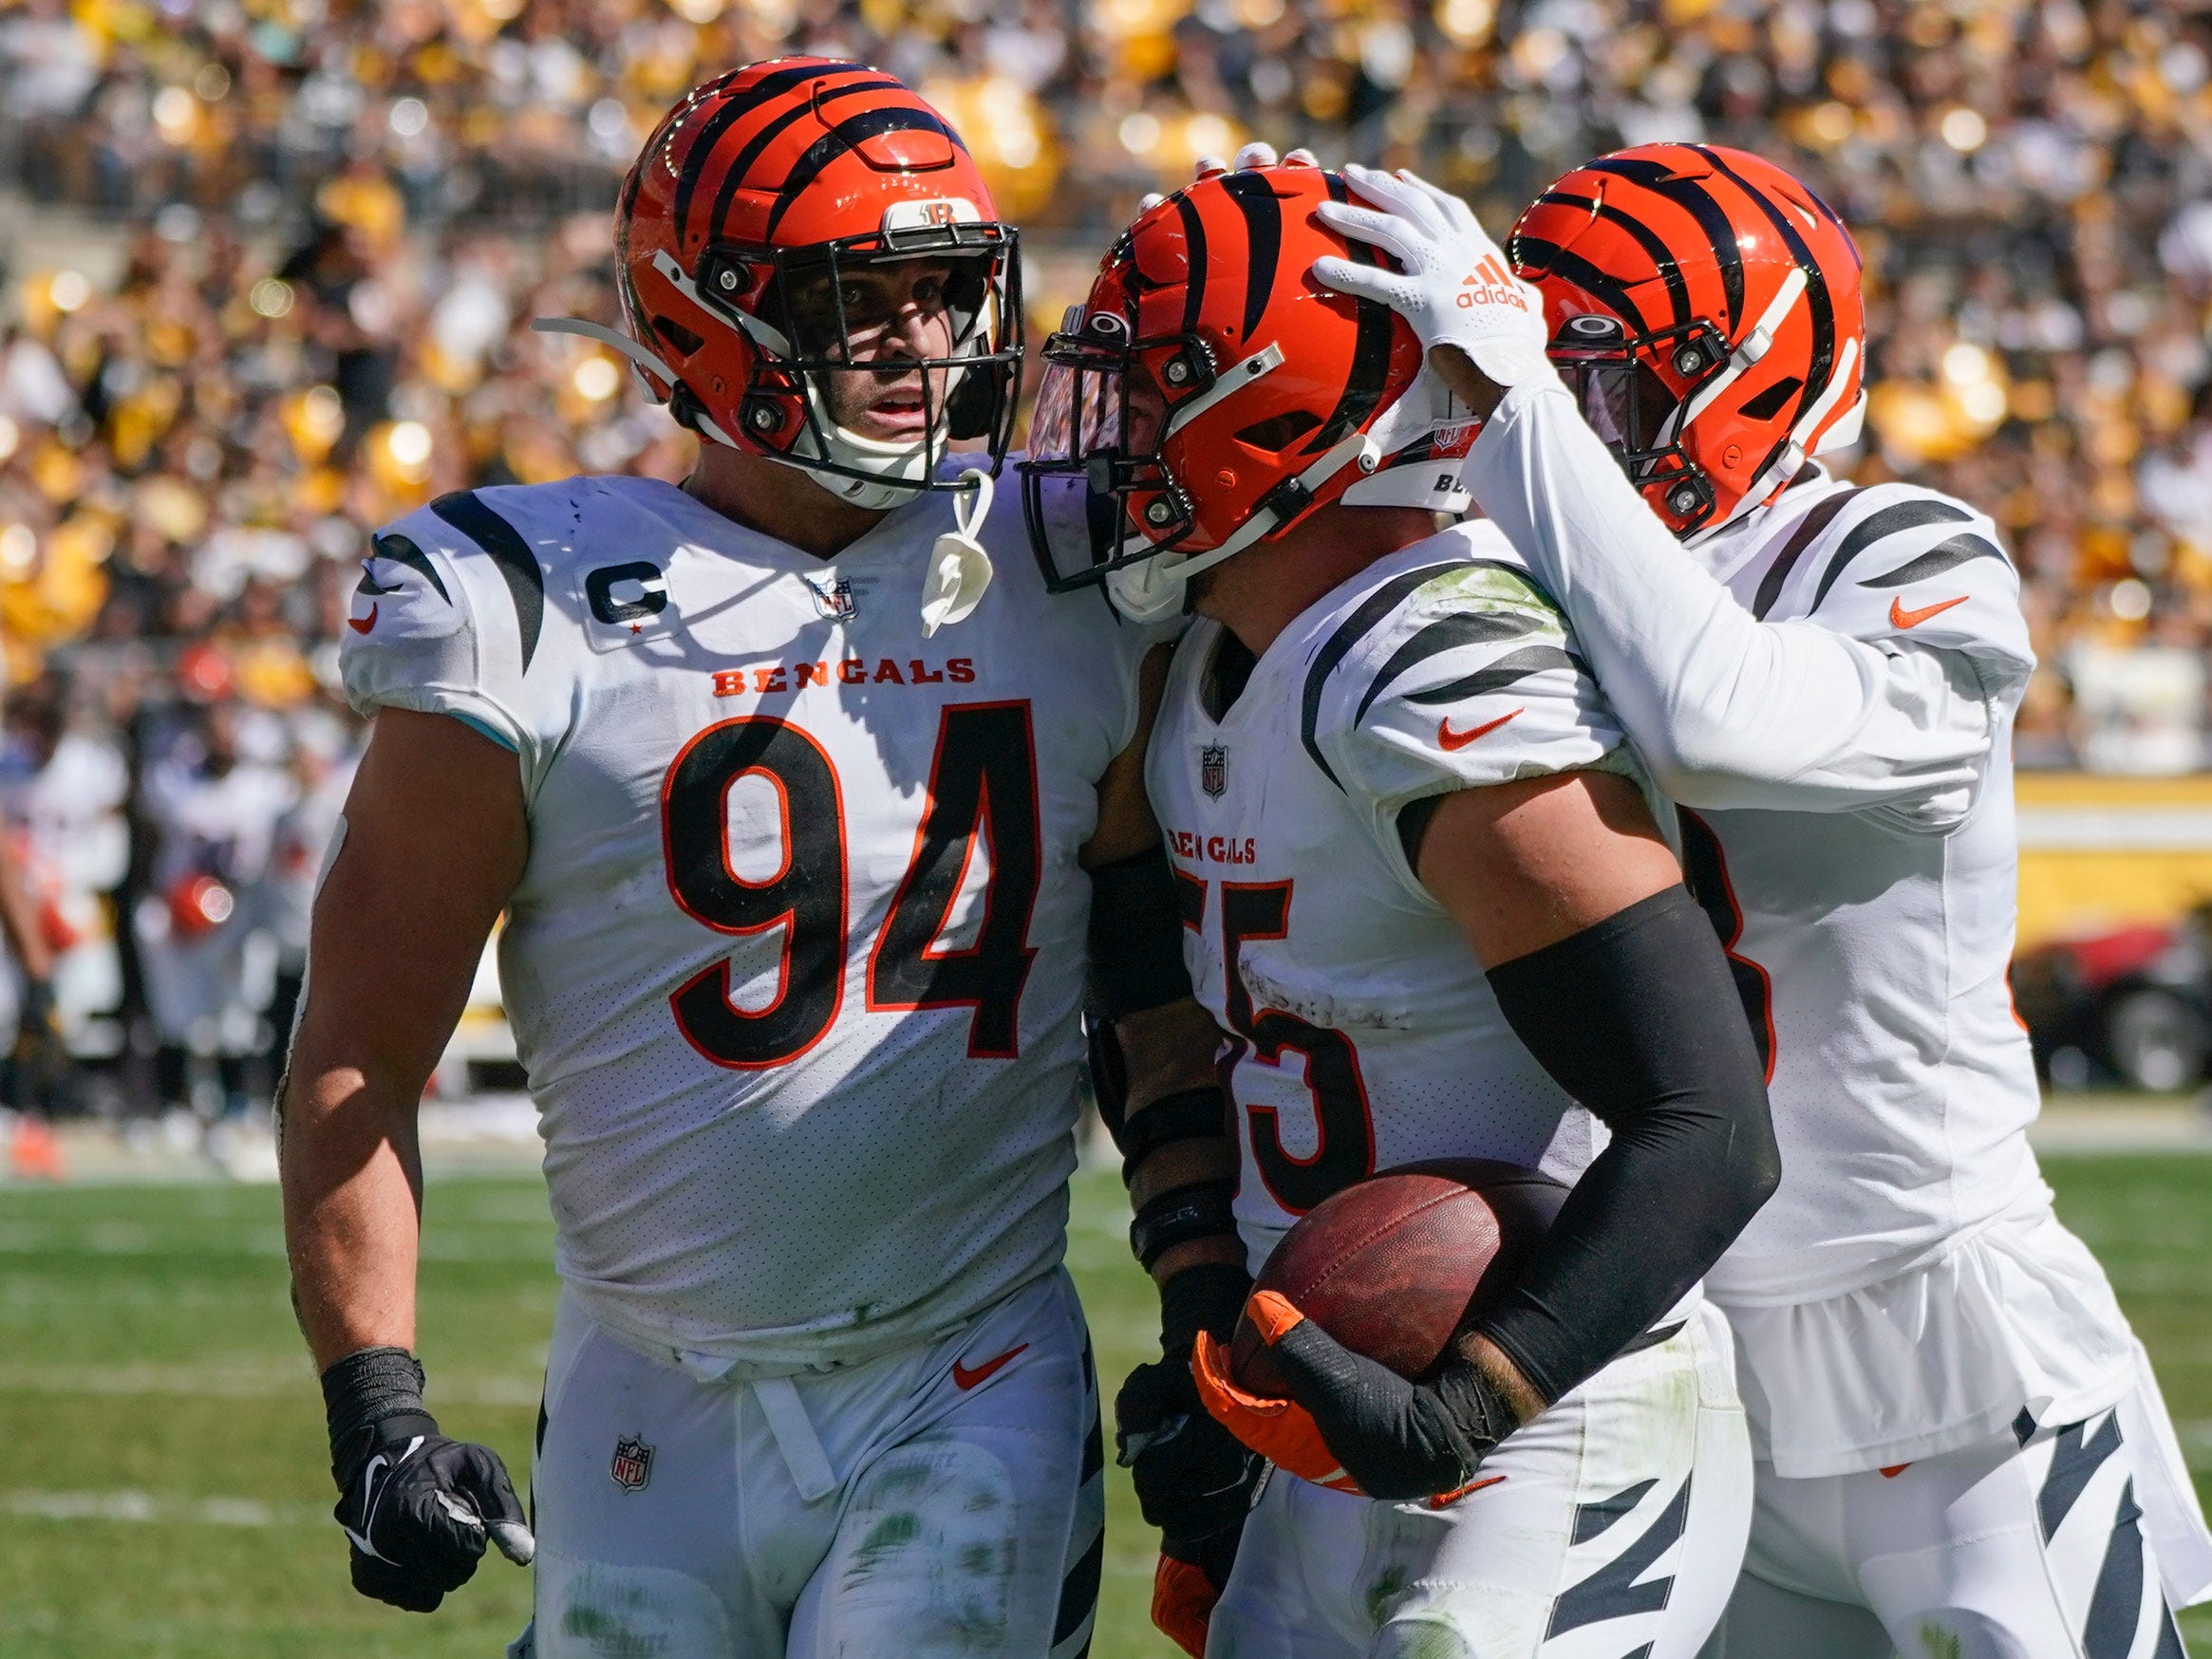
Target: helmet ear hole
<point>1278,432</point>
<point>1769,404</point>
<point>683,339</point>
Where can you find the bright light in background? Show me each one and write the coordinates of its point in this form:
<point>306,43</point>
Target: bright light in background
<point>596,378</point>
<point>409,443</point>
<point>269,298</point>
<point>1140,133</point>
<point>175,112</point>
<point>1965,363</point>
<point>1964,131</point>
<point>18,550</point>
<point>2131,600</point>
<point>409,117</point>
<point>1209,134</point>
<point>1467,21</point>
<point>69,289</point>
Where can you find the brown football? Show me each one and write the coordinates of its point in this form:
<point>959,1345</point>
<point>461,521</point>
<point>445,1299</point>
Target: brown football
<point>1391,1266</point>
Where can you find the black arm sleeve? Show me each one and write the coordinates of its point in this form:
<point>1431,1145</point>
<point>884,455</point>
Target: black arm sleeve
<point>1136,935</point>
<point>1638,1019</point>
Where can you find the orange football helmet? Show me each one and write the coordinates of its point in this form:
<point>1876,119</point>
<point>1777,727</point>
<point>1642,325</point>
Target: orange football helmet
<point>801,169</point>
<point>1210,393</point>
<point>1705,308</point>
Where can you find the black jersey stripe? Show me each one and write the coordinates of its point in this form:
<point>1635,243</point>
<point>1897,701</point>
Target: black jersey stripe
<point>1079,1591</point>
<point>734,178</point>
<point>728,116</point>
<point>1510,669</point>
<point>517,565</point>
<point>1807,532</point>
<point>1695,200</point>
<point>1447,633</point>
<point>400,551</point>
<point>1354,629</point>
<point>1916,514</point>
<point>1255,199</point>
<point>1943,556</point>
<point>2116,1602</point>
<point>1556,261</point>
<point>847,135</point>
<point>1193,262</point>
<point>1663,257</point>
<point>2075,1457</point>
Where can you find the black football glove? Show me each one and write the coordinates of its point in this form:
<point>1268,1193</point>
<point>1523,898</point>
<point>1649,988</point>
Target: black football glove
<point>1194,1479</point>
<point>417,1508</point>
<point>38,1038</point>
<point>1398,1440</point>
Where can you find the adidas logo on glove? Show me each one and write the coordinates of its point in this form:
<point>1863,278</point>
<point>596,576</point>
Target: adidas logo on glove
<point>1491,284</point>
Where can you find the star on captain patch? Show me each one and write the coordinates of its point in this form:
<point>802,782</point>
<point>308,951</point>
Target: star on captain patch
<point>633,1464</point>
<point>1213,769</point>
<point>833,597</point>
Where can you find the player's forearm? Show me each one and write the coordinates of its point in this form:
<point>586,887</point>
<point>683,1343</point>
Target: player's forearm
<point>1635,1017</point>
<point>19,923</point>
<point>351,1176</point>
<point>1728,710</point>
<point>1169,1054</point>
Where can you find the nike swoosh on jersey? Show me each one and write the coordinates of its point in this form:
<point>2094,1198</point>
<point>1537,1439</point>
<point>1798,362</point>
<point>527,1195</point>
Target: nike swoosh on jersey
<point>965,1379</point>
<point>361,624</point>
<point>1449,739</point>
<point>1902,618</point>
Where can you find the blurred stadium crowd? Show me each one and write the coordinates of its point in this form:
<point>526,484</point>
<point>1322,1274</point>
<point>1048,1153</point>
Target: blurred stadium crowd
<point>341,214</point>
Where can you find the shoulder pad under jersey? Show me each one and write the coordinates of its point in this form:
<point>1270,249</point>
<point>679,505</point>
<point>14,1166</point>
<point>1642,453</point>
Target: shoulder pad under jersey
<point>1900,562</point>
<point>1451,673</point>
<point>449,611</point>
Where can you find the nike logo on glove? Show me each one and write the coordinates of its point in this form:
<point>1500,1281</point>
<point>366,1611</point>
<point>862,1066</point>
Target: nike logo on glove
<point>1449,741</point>
<point>1902,618</point>
<point>376,1480</point>
<point>965,1379</point>
<point>361,624</point>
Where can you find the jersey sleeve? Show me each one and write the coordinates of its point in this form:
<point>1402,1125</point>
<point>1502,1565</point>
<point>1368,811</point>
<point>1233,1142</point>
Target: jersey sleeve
<point>424,630</point>
<point>1472,681</point>
<point>1829,692</point>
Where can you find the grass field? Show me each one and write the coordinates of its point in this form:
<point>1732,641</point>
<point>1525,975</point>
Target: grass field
<point>163,1485</point>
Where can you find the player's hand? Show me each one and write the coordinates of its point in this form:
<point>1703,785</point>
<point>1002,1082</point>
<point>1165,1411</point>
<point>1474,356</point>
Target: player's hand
<point>1453,286</point>
<point>1194,1479</point>
<point>417,1507</point>
<point>1256,154</point>
<point>1352,1424</point>
<point>38,1038</point>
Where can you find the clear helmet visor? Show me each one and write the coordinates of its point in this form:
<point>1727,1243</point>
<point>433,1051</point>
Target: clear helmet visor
<point>1095,437</point>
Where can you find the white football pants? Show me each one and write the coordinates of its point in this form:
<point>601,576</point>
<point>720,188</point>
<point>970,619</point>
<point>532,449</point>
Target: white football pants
<point>945,1499</point>
<point>1610,1526</point>
<point>2006,1549</point>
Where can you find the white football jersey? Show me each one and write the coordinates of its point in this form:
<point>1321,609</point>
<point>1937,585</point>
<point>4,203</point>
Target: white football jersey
<point>1361,1031</point>
<point>796,964</point>
<point>1871,946</point>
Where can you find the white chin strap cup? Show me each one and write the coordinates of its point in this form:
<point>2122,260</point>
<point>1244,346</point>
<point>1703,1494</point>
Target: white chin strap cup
<point>960,569</point>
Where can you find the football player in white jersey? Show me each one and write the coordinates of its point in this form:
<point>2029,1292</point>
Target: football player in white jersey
<point>1960,1445</point>
<point>1428,907</point>
<point>784,797</point>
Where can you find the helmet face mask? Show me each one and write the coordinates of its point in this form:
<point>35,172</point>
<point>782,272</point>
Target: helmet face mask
<point>776,238</point>
<point>1103,417</point>
<point>1632,390</point>
<point>1209,395</point>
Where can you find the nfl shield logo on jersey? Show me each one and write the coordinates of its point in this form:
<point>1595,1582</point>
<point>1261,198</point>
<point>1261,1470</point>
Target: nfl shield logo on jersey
<point>1213,769</point>
<point>833,597</point>
<point>633,1464</point>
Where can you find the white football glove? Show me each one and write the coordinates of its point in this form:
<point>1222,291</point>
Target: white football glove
<point>1454,288</point>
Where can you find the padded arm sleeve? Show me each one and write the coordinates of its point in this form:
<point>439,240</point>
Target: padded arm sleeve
<point>1727,710</point>
<point>1637,1018</point>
